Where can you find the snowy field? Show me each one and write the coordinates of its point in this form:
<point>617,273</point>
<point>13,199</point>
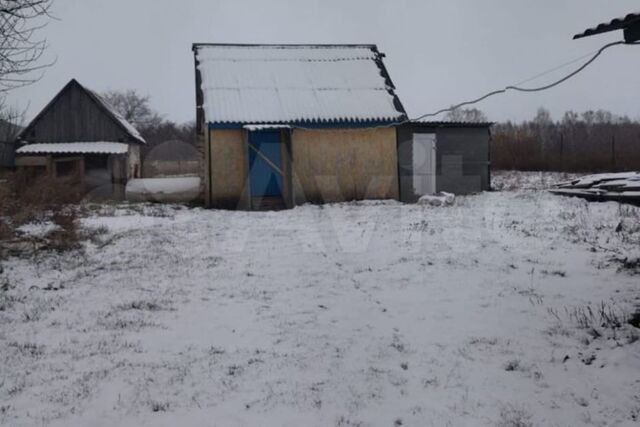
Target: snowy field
<point>506,309</point>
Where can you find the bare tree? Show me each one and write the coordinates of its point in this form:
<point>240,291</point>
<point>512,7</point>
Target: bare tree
<point>11,122</point>
<point>20,49</point>
<point>543,117</point>
<point>134,107</point>
<point>469,115</point>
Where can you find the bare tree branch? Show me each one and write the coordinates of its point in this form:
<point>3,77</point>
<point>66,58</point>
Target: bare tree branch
<point>469,115</point>
<point>11,122</point>
<point>134,107</point>
<point>21,50</point>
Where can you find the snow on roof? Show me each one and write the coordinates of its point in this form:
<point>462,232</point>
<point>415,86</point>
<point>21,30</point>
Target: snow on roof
<point>74,148</point>
<point>294,83</point>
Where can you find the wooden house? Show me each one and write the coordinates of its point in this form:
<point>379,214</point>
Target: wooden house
<point>79,139</point>
<point>283,125</point>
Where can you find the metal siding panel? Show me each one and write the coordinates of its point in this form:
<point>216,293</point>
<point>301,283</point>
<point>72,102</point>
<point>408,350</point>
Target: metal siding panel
<point>471,143</point>
<point>405,164</point>
<point>470,147</point>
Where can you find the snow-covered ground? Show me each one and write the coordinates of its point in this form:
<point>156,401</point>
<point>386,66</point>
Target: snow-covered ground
<point>357,314</point>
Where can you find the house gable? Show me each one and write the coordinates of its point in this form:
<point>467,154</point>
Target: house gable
<point>76,114</point>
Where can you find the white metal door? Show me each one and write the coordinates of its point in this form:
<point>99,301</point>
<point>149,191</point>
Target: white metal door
<point>424,163</point>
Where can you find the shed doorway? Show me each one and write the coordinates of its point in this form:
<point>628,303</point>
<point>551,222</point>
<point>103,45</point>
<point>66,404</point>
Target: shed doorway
<point>265,167</point>
<point>424,163</point>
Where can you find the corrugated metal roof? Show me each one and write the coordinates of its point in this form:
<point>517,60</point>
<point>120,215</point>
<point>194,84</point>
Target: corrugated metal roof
<point>74,148</point>
<point>295,83</point>
<point>613,25</point>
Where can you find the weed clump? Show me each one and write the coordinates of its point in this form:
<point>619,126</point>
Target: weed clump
<point>511,416</point>
<point>65,236</point>
<point>41,200</point>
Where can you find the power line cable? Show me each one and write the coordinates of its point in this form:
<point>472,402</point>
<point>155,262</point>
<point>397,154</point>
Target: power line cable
<point>559,67</point>
<point>516,87</point>
<point>521,89</point>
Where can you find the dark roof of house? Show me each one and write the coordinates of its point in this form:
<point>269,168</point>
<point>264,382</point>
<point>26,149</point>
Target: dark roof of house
<point>615,24</point>
<point>102,104</point>
<point>276,84</point>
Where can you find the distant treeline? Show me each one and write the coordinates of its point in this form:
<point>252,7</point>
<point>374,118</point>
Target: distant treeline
<point>166,140</point>
<point>593,141</point>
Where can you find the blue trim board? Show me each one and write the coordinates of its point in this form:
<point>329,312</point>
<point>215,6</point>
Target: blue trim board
<point>312,125</point>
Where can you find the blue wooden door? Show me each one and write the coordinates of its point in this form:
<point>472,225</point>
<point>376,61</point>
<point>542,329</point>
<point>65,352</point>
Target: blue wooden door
<point>265,163</point>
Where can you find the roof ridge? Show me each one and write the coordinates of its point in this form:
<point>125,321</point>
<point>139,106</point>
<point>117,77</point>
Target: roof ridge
<point>288,45</point>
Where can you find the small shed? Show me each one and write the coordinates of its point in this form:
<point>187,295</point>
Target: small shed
<point>453,157</point>
<point>79,139</point>
<point>282,125</point>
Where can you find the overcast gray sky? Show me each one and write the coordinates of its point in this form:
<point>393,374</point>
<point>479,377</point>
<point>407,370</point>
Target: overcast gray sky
<point>439,52</point>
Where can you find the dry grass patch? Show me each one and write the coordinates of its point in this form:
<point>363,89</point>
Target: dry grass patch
<point>25,200</point>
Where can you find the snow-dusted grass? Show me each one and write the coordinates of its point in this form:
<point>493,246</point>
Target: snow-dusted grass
<point>361,314</point>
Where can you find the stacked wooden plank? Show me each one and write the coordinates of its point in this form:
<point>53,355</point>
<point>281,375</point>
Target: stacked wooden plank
<point>622,187</point>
